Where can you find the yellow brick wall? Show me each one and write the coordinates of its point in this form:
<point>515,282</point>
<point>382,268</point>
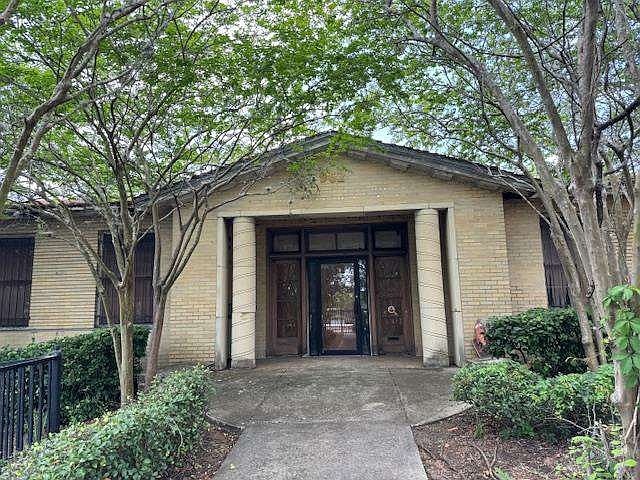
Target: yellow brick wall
<point>524,246</point>
<point>63,292</point>
<point>166,238</point>
<point>479,217</point>
<point>190,321</point>
<point>62,287</point>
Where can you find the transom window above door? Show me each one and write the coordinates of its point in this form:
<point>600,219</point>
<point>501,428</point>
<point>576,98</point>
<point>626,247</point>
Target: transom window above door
<point>336,241</point>
<point>288,242</point>
<point>343,239</point>
<point>387,238</point>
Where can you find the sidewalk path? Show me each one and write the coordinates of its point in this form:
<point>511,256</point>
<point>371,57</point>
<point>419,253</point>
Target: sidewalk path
<point>330,418</point>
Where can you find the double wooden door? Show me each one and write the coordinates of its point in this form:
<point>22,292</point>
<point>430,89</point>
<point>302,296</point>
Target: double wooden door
<point>345,314</point>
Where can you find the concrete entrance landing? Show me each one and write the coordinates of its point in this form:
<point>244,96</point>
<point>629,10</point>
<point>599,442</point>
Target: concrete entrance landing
<point>330,417</point>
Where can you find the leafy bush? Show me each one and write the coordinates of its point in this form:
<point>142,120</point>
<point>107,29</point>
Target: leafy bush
<point>139,441</point>
<point>520,402</point>
<point>503,393</point>
<point>547,340</point>
<point>599,454</point>
<point>90,383</point>
<point>584,398</point>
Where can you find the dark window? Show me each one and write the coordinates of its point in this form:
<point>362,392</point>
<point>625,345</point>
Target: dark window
<point>16,265</point>
<point>286,243</point>
<point>351,241</point>
<point>331,241</point>
<point>557,287</point>
<point>143,272</point>
<point>322,241</point>
<point>391,239</point>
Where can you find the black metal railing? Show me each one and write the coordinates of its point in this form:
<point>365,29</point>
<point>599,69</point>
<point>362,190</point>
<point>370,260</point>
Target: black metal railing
<point>29,401</point>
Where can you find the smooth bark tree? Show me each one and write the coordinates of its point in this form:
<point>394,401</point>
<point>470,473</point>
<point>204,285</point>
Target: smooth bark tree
<point>45,51</point>
<point>196,125</point>
<point>549,91</point>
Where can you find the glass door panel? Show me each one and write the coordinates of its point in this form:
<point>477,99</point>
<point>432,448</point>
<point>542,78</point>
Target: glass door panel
<point>338,306</point>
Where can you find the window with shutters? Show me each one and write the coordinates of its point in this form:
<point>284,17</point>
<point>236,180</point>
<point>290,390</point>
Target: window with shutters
<point>556,281</point>
<point>143,272</point>
<point>16,266</point>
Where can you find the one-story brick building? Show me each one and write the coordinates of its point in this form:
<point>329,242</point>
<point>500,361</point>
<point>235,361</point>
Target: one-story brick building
<point>402,253</point>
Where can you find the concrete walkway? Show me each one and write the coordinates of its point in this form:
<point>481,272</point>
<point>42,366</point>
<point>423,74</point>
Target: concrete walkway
<point>330,417</point>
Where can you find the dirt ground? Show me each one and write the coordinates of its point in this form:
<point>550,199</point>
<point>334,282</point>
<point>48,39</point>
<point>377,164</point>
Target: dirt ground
<point>450,450</point>
<point>204,462</point>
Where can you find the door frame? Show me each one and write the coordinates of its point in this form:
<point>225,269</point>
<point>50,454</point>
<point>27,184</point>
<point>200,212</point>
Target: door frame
<point>303,254</point>
<point>363,326</point>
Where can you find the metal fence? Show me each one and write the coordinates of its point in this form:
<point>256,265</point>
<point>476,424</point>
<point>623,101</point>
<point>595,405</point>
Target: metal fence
<point>29,401</point>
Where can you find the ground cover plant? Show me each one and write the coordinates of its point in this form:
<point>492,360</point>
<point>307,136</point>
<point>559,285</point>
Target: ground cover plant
<point>138,441</point>
<point>514,400</point>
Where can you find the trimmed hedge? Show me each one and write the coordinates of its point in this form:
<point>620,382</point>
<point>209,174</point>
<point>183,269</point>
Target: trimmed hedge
<point>139,441</point>
<point>547,340</point>
<point>582,397</point>
<point>90,385</point>
<point>519,402</point>
<point>503,393</point>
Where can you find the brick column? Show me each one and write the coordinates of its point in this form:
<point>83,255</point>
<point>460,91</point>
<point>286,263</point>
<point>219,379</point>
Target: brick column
<point>243,313</point>
<point>430,289</point>
<point>222,296</point>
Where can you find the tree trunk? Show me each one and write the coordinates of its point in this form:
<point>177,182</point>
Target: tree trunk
<point>153,346</point>
<point>586,332</point>
<point>127,311</point>
<point>572,268</point>
<point>625,399</point>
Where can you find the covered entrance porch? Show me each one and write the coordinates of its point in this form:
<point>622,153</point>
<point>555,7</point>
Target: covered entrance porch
<point>353,281</point>
<point>327,283</point>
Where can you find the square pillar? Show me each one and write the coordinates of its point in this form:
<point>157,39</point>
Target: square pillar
<point>222,296</point>
<point>433,321</point>
<point>243,312</point>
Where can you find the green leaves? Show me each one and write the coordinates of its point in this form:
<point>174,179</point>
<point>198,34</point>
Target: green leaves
<point>623,301</point>
<point>510,397</point>
<point>90,384</point>
<point>600,456</point>
<point>503,393</point>
<point>138,442</point>
<point>547,340</point>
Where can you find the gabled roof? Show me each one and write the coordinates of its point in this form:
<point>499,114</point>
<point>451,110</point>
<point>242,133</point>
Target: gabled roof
<point>412,160</point>
<point>396,156</point>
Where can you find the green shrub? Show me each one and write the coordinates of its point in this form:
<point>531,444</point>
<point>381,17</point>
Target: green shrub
<point>547,340</point>
<point>90,383</point>
<point>139,441</point>
<point>582,398</point>
<point>517,401</point>
<point>504,393</point>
